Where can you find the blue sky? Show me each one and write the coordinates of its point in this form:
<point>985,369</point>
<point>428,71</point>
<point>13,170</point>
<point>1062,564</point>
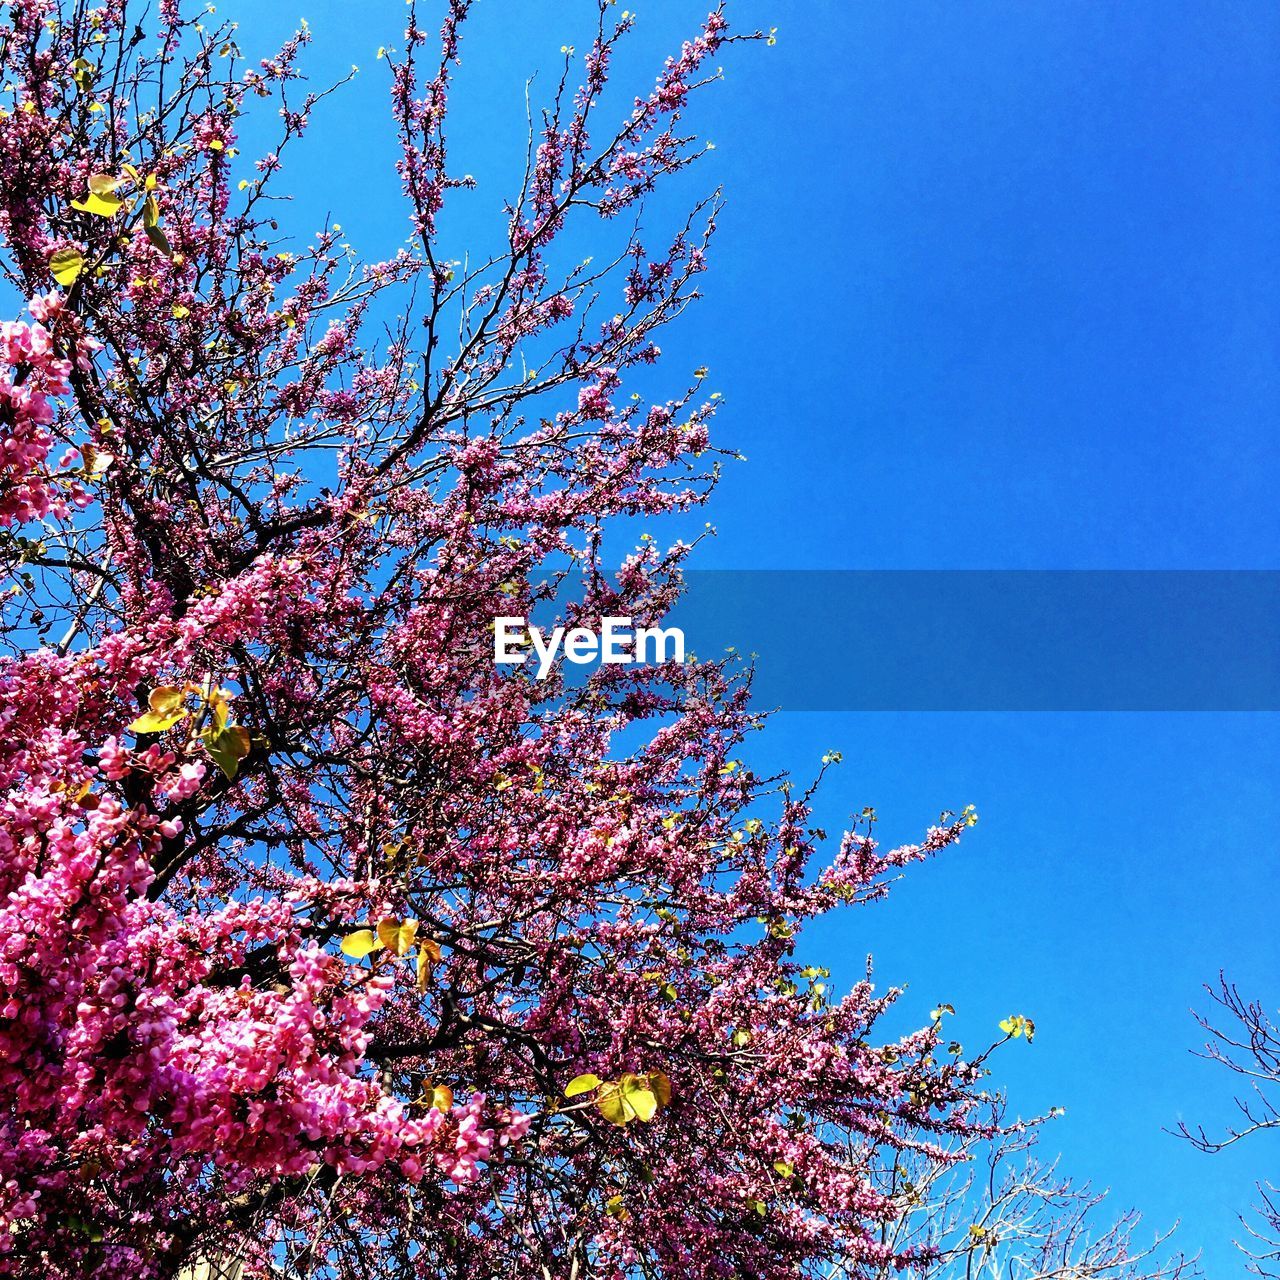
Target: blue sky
<point>997,287</point>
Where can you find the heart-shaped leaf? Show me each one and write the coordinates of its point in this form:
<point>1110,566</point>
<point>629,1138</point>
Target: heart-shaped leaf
<point>167,706</point>
<point>627,1099</point>
<point>397,935</point>
<point>102,199</point>
<point>66,266</point>
<point>360,944</point>
<point>226,746</point>
<point>582,1084</point>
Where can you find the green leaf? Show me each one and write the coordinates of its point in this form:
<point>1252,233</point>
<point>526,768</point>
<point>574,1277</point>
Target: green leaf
<point>397,935</point>
<point>151,225</point>
<point>66,265</point>
<point>102,199</point>
<point>1016,1025</point>
<point>360,944</point>
<point>627,1099</point>
<point>167,706</point>
<point>158,238</point>
<point>582,1084</point>
<point>661,1087</point>
<point>226,746</point>
<point>82,1227</point>
<point>82,72</point>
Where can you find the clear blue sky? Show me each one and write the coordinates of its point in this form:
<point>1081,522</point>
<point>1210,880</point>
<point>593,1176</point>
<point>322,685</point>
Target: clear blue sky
<point>998,286</point>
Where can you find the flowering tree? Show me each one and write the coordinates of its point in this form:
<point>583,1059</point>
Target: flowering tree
<point>328,947</point>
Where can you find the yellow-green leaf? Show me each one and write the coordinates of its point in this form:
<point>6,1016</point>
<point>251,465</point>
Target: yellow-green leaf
<point>639,1097</point>
<point>627,1099</point>
<point>359,944</point>
<point>582,1084</point>
<point>661,1087</point>
<point>151,222</point>
<point>82,72</point>
<point>429,954</point>
<point>66,265</point>
<point>1016,1025</point>
<point>158,238</point>
<point>397,935</point>
<point>166,707</point>
<point>227,746</point>
<point>166,698</point>
<point>102,199</point>
<point>610,1104</point>
<point>219,703</point>
<point>104,207</point>
<point>96,461</point>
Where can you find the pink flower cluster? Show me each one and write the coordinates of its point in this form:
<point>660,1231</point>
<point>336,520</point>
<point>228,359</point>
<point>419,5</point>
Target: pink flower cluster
<point>127,1042</point>
<point>35,373</point>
